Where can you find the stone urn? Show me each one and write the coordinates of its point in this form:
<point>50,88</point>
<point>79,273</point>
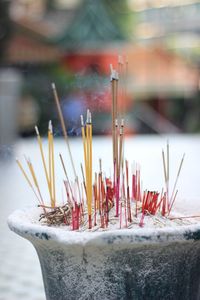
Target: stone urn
<point>162,263</point>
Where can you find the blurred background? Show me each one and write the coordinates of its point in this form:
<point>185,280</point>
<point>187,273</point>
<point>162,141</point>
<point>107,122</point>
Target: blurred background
<point>73,43</point>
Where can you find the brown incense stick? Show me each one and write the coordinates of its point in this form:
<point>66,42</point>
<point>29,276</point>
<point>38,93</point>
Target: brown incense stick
<point>114,88</point>
<point>60,114</point>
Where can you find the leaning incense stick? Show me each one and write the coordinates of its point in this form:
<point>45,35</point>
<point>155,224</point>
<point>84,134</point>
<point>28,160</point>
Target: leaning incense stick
<point>65,171</point>
<point>177,177</point>
<point>121,139</point>
<point>83,180</point>
<point>34,179</point>
<point>60,114</point>
<point>165,173</point>
<point>28,180</point>
<point>172,202</point>
<point>43,161</point>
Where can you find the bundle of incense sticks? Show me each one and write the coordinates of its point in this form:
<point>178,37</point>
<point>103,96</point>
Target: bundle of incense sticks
<point>98,201</point>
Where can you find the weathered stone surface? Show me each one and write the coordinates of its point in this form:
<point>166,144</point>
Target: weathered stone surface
<point>124,265</point>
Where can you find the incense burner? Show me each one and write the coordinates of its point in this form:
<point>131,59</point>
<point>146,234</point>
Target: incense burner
<point>145,263</point>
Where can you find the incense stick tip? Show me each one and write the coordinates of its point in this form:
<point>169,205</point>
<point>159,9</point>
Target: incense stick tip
<point>82,122</point>
<point>90,117</point>
<point>50,127</point>
<point>36,130</point>
<point>114,75</point>
<point>88,120</point>
<point>53,85</point>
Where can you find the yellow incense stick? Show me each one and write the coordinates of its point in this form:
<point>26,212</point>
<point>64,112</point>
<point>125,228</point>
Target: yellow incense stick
<point>88,163</point>
<point>43,160</point>
<point>87,147</point>
<point>27,179</point>
<point>34,179</point>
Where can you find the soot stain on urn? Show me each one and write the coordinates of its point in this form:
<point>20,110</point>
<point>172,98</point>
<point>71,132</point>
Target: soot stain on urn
<point>192,235</point>
<point>42,236</point>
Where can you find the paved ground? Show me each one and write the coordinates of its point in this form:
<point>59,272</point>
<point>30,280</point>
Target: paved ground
<point>20,275</point>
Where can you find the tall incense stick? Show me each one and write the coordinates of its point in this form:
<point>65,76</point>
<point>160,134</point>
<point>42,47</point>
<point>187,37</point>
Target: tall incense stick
<point>114,87</point>
<point>52,164</point>
<point>87,147</point>
<point>60,114</point>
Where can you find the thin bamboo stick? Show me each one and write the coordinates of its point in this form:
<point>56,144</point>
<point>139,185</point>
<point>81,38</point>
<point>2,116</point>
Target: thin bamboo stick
<point>177,177</point>
<point>50,157</point>
<point>87,147</point>
<point>34,179</point>
<point>43,161</point>
<point>53,186</point>
<point>27,179</point>
<point>114,89</point>
<point>60,114</point>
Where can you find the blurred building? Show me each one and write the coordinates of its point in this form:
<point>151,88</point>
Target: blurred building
<point>73,43</point>
<point>173,23</point>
